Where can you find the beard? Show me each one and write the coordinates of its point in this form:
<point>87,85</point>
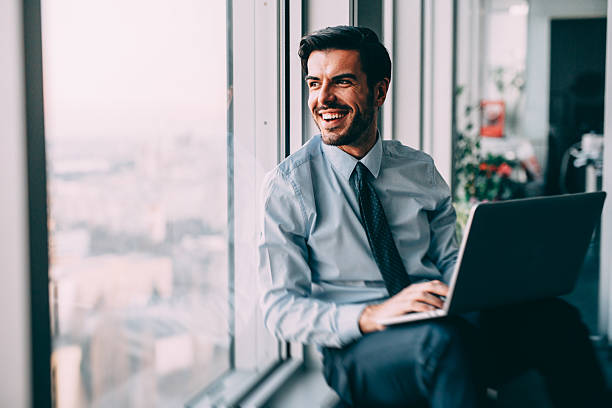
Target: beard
<point>360,123</point>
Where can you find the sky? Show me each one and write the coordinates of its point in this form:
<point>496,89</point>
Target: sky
<point>134,68</point>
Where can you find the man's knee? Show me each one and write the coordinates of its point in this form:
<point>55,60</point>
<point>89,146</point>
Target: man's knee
<point>421,346</point>
<point>557,317</point>
<point>401,363</point>
<point>560,307</point>
<point>450,342</point>
<point>442,340</point>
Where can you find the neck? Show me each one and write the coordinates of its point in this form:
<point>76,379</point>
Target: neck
<point>362,146</point>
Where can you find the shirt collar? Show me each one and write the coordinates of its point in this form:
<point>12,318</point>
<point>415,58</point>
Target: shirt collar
<point>344,163</point>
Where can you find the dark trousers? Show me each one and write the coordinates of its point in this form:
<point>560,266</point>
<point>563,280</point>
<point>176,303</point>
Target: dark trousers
<point>450,362</point>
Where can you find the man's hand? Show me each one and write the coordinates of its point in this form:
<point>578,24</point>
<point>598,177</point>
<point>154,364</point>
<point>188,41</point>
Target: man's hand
<point>419,297</point>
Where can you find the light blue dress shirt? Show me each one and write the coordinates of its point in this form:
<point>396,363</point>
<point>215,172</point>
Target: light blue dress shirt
<point>316,268</point>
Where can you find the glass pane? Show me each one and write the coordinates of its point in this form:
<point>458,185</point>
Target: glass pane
<point>530,109</point>
<point>135,110</point>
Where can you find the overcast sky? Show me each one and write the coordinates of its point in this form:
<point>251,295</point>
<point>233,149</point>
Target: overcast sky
<point>134,68</point>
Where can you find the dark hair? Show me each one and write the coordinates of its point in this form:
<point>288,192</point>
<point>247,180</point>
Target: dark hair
<point>375,61</point>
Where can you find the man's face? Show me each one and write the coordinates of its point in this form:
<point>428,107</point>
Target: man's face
<point>339,99</point>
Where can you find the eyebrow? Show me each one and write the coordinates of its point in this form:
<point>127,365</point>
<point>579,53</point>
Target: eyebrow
<point>337,77</point>
<point>345,76</point>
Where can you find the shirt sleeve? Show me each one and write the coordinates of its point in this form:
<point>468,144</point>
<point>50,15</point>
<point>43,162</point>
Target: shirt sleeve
<point>442,222</point>
<point>285,279</point>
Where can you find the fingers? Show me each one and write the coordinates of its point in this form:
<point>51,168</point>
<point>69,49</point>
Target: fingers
<point>419,297</point>
<point>411,302</point>
<point>428,298</point>
<point>437,287</point>
<point>421,307</point>
<point>434,286</point>
<point>427,292</point>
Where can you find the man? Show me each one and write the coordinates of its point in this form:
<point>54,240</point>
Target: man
<point>356,229</point>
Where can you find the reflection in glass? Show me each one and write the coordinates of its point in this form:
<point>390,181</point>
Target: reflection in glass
<point>543,62</point>
<point>493,158</point>
<point>135,109</point>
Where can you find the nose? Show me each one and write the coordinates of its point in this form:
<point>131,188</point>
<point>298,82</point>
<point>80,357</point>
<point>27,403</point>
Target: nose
<point>326,94</point>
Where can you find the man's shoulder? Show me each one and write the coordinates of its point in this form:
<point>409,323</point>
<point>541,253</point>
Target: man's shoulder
<point>311,150</point>
<point>295,170</point>
<point>395,148</point>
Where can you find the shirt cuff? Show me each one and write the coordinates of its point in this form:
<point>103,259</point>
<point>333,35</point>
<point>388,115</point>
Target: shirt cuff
<point>348,322</point>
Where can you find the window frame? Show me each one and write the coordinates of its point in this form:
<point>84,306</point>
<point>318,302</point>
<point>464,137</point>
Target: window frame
<point>261,74</point>
<point>251,27</point>
<point>40,317</point>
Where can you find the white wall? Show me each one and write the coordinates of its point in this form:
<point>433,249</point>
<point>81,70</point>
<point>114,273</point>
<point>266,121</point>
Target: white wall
<point>469,52</point>
<point>535,124</point>
<point>438,143</point>
<point>422,81</point>
<point>406,76</point>
<point>14,315</point>
<point>319,14</point>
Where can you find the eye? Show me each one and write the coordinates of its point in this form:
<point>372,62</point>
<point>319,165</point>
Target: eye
<point>313,84</point>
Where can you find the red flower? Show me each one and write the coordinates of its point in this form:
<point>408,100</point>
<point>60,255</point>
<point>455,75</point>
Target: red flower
<point>504,170</point>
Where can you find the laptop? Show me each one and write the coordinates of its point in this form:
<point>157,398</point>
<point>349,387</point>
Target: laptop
<point>518,250</point>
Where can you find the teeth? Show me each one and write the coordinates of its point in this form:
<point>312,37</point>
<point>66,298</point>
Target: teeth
<point>330,116</point>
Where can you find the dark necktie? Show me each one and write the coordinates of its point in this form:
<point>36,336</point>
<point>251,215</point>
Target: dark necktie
<point>379,235</point>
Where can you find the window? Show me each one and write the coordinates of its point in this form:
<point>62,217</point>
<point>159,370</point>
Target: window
<point>152,258</point>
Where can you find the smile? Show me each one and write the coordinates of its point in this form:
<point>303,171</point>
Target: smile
<point>332,116</point>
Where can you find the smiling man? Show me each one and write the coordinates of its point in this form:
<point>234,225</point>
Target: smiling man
<point>340,99</point>
<point>355,229</point>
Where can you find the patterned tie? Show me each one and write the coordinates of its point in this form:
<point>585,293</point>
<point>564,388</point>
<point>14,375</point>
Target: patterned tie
<point>379,235</point>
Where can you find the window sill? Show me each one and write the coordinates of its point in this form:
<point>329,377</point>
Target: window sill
<point>306,389</point>
<point>245,388</point>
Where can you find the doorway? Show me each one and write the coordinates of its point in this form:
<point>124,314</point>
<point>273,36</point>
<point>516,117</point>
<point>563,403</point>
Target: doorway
<point>577,90</point>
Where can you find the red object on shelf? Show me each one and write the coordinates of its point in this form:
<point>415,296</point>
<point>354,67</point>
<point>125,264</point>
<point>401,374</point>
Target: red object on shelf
<point>493,115</point>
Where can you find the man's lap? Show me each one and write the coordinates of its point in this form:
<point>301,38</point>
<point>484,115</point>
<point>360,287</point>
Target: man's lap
<point>401,360</point>
<point>499,343</point>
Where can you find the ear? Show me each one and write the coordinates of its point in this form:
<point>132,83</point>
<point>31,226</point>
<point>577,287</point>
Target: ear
<point>380,91</point>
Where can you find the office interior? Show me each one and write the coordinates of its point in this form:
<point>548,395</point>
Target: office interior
<point>135,137</point>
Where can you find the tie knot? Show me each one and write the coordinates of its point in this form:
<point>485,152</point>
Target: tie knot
<point>362,171</point>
